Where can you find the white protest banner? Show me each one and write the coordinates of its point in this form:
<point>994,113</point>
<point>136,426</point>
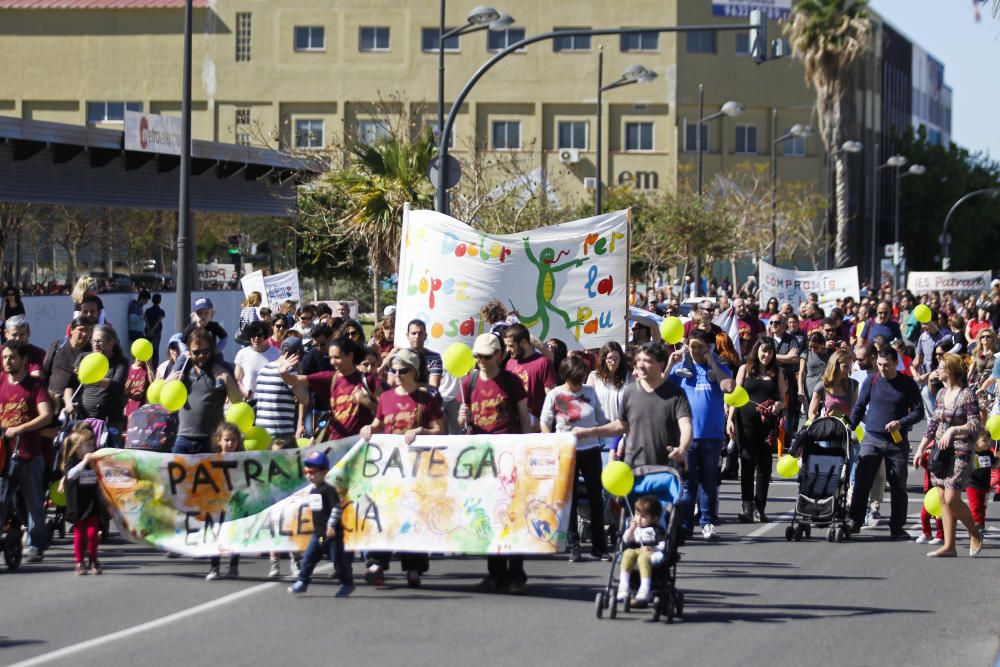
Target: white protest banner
<point>273,289</point>
<point>794,286</point>
<point>152,133</point>
<point>919,282</point>
<point>217,273</point>
<point>567,281</point>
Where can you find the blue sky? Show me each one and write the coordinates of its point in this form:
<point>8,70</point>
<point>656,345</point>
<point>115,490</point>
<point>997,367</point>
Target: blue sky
<point>969,51</point>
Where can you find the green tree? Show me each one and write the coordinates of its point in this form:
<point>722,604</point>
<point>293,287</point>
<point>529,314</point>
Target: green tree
<point>829,36</point>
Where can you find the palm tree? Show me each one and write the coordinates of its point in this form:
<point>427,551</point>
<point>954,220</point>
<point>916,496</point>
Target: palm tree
<point>829,36</point>
<point>381,177</point>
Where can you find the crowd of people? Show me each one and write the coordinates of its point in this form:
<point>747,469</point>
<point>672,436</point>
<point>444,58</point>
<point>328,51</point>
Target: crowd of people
<point>311,371</point>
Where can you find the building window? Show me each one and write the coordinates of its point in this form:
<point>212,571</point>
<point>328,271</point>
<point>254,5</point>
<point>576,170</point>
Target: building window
<point>794,146</point>
<point>577,43</point>
<point>370,131</point>
<point>242,125</point>
<point>572,134</point>
<point>702,41</point>
<point>498,40</point>
<point>310,38</point>
<point>640,41</point>
<point>244,26</point>
<point>746,139</point>
<point>374,39</point>
<point>506,135</point>
<point>690,136</point>
<point>639,136</point>
<point>309,133</point>
<point>742,44</point>
<point>430,38</point>
<point>110,112</point>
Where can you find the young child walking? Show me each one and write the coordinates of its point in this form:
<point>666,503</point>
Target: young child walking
<point>328,536</point>
<point>83,507</point>
<point>645,540</point>
<point>227,438</point>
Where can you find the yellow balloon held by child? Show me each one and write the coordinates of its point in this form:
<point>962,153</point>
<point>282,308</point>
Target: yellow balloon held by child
<point>737,398</point>
<point>458,359</point>
<point>993,426</point>
<point>788,466</point>
<point>617,478</point>
<point>93,368</point>
<point>672,330</point>
<point>922,313</point>
<point>173,396</point>
<point>142,349</point>
<point>932,502</point>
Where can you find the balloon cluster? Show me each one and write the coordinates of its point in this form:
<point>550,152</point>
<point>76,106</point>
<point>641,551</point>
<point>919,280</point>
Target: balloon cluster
<point>255,438</point>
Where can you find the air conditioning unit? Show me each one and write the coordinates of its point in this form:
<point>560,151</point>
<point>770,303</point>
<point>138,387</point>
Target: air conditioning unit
<point>569,155</point>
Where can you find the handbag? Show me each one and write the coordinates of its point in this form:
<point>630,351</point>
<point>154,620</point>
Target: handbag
<point>941,462</point>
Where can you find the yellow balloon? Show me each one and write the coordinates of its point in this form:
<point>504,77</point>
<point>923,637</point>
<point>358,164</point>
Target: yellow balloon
<point>155,388</point>
<point>303,442</point>
<point>173,396</point>
<point>788,466</point>
<point>458,359</point>
<point>93,368</point>
<point>56,496</point>
<point>617,478</point>
<point>932,502</point>
<point>242,415</point>
<point>737,398</point>
<point>142,349</point>
<point>259,436</point>
<point>993,426</point>
<point>860,432</point>
<point>922,313</point>
<point>252,445</point>
<point>672,330</point>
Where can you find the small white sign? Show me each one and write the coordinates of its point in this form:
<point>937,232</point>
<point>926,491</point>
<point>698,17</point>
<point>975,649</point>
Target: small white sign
<point>771,9</point>
<point>152,133</point>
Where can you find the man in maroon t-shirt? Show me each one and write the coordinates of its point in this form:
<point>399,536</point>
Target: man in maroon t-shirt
<point>534,369</point>
<point>353,396</point>
<point>750,326</point>
<point>24,409</point>
<point>17,329</point>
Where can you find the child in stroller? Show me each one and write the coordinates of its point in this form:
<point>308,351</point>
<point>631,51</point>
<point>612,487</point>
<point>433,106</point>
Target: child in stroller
<point>664,485</point>
<point>645,541</point>
<point>822,496</point>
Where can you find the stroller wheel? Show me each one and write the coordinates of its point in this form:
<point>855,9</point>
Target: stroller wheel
<point>668,605</point>
<point>613,612</point>
<point>679,604</point>
<point>808,531</point>
<point>789,533</point>
<point>831,535</point>
<point>798,534</point>
<point>627,605</point>
<point>13,550</point>
<point>656,609</point>
<point>843,535</point>
<point>599,605</point>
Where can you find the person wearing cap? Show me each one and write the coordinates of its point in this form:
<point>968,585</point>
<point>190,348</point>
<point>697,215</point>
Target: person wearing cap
<point>276,408</point>
<point>408,410</point>
<point>323,501</point>
<point>251,359</point>
<point>495,402</point>
<point>136,322</point>
<point>60,361</point>
<point>201,318</point>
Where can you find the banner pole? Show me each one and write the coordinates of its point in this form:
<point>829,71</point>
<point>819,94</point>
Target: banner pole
<point>628,273</point>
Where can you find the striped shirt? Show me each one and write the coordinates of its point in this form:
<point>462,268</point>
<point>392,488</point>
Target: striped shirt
<point>276,408</point>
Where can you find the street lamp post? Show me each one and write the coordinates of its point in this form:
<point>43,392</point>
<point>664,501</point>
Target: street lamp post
<point>480,18</point>
<point>797,130</point>
<point>895,162</point>
<point>185,226</point>
<point>914,170</point>
<point>632,74</point>
<point>945,238</point>
<point>731,109</point>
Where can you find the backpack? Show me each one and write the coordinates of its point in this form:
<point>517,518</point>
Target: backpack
<point>151,428</point>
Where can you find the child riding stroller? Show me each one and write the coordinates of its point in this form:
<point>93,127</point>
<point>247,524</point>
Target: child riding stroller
<point>822,496</point>
<point>665,483</point>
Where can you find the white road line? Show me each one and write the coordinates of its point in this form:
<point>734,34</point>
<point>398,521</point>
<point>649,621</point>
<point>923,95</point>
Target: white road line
<point>136,629</point>
<point>766,527</point>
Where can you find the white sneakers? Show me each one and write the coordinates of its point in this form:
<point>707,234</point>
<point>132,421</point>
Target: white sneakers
<point>623,589</point>
<point>708,531</point>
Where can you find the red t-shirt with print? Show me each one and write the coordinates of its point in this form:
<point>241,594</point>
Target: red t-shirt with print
<point>346,416</point>
<point>19,405</point>
<point>537,375</point>
<point>493,403</point>
<point>399,414</point>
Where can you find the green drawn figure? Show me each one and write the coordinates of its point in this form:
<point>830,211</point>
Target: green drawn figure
<point>546,288</point>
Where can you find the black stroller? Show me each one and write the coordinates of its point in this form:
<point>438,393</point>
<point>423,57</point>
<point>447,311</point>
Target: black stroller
<point>822,495</point>
<point>12,511</point>
<point>667,600</point>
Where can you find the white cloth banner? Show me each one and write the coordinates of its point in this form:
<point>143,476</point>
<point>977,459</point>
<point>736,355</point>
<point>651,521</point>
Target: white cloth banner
<point>919,282</point>
<point>273,289</point>
<point>567,281</point>
<point>794,286</point>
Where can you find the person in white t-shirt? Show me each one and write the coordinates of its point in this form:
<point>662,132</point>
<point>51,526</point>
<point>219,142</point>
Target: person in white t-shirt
<point>250,359</point>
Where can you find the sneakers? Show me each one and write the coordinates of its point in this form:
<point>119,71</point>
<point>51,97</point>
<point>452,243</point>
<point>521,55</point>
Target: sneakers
<point>747,515</point>
<point>871,520</point>
<point>923,539</point>
<point>35,556</point>
<point>298,587</point>
<point>574,554</point>
<point>413,578</point>
<point>708,531</point>
<point>212,575</point>
<point>294,567</point>
<point>936,540</point>
<point>81,569</point>
<point>684,372</point>
<point>233,572</point>
<point>95,567</point>
<point>345,590</point>
<point>600,555</point>
<point>517,588</point>
<point>623,587</point>
<point>275,571</point>
<point>374,575</point>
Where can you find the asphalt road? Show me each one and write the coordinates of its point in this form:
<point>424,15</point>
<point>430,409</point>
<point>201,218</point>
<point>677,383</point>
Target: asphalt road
<point>752,599</point>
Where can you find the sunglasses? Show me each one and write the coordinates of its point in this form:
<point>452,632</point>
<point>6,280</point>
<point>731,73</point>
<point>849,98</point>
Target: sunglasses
<point>483,357</point>
<point>401,371</point>
<point>203,352</point>
<point>280,326</point>
<point>775,324</point>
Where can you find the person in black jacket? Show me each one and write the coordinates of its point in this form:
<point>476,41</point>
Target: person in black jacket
<point>83,500</point>
<point>328,535</point>
<point>105,399</point>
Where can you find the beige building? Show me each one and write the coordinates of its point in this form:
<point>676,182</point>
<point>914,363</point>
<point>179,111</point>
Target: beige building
<point>303,73</point>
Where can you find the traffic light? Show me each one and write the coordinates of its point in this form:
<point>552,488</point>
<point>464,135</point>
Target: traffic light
<point>234,244</point>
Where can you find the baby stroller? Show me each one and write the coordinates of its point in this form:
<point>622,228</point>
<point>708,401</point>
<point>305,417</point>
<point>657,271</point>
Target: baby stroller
<point>665,483</point>
<point>12,511</point>
<point>822,496</point>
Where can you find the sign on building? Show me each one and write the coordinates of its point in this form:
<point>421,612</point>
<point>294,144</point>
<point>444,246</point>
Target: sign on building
<point>152,133</point>
<point>771,9</point>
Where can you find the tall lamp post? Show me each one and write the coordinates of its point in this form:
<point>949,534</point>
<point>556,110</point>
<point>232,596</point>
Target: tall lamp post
<point>185,225</point>
<point>945,237</point>
<point>796,131</point>
<point>731,109</point>
<point>894,162</point>
<point>846,148</point>
<point>632,74</point>
<point>914,170</point>
<point>480,18</point>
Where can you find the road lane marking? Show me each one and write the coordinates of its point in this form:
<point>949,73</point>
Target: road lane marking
<point>768,526</point>
<point>144,627</point>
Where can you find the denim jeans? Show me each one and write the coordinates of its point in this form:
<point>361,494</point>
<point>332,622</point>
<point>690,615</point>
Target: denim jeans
<point>30,475</point>
<point>702,482</point>
<point>184,445</point>
<point>333,549</point>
